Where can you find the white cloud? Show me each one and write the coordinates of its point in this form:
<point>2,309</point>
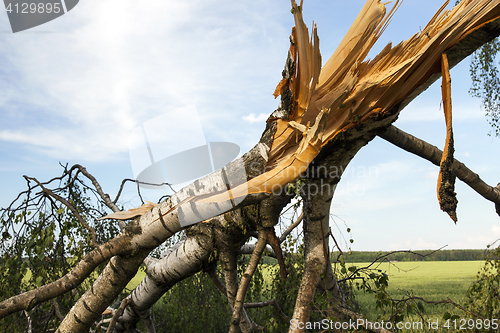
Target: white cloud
<point>252,118</point>
<point>465,154</point>
<point>112,66</point>
<point>61,143</point>
<point>495,230</point>
<point>432,173</point>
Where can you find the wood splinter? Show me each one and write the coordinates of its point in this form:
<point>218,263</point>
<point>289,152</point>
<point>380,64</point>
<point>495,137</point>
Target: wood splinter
<point>446,179</point>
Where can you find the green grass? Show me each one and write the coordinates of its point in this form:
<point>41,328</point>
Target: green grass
<point>137,279</point>
<point>432,280</point>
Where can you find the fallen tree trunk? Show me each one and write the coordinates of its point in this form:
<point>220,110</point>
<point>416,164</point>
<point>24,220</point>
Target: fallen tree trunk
<point>326,115</point>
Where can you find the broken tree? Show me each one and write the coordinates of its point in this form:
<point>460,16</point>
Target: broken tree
<point>325,116</point>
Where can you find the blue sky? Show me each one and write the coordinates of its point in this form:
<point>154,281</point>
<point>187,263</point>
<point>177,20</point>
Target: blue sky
<point>73,89</point>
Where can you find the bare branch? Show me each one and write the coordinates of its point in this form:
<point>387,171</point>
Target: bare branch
<point>291,227</point>
<point>57,310</point>
<point>272,303</point>
<point>380,257</point>
<point>335,241</point>
<point>138,183</point>
<point>444,301</point>
<point>275,244</point>
<point>212,273</point>
<point>28,316</point>
<point>433,154</point>
<point>245,280</point>
<point>70,206</point>
<point>249,248</point>
<point>104,196</point>
<point>228,263</point>
<point>117,315</point>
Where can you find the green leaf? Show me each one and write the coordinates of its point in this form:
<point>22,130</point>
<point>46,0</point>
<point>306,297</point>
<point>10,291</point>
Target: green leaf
<point>420,306</point>
<point>38,281</point>
<point>446,316</point>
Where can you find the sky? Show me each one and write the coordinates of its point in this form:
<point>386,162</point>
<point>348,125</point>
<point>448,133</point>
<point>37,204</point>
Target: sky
<point>72,91</point>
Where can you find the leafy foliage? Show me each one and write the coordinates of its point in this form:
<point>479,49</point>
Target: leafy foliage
<point>42,239</point>
<point>193,305</point>
<point>45,232</point>
<point>486,83</point>
<point>483,296</point>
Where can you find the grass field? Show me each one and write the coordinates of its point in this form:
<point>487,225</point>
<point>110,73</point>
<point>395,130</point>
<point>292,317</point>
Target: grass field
<point>432,280</point>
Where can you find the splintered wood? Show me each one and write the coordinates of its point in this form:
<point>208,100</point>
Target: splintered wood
<point>354,89</point>
<point>131,213</point>
<point>350,90</point>
<point>446,179</point>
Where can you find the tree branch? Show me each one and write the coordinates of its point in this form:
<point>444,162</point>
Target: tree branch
<point>291,227</point>
<point>212,273</point>
<point>443,301</point>
<point>228,263</point>
<point>57,310</point>
<point>70,206</point>
<point>433,154</point>
<point>272,303</point>
<point>77,275</point>
<point>117,315</point>
<point>245,280</point>
<point>249,248</point>
<point>104,196</point>
<point>275,245</point>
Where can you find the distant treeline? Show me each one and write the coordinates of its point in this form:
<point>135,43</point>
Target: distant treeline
<point>425,255</point>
